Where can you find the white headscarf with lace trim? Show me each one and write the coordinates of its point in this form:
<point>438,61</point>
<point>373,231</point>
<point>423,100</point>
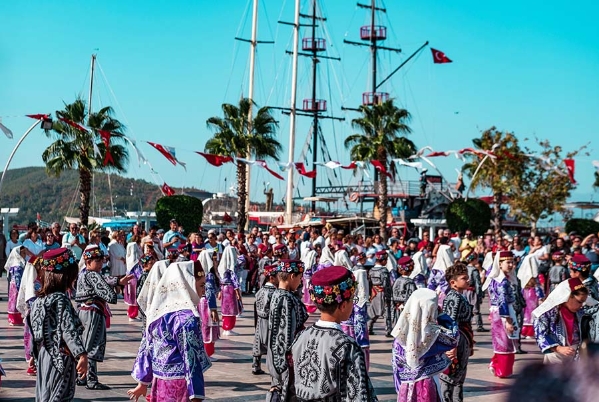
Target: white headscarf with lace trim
<point>227,261</point>
<point>146,293</point>
<point>420,266</point>
<point>444,258</point>
<point>15,259</point>
<point>529,268</point>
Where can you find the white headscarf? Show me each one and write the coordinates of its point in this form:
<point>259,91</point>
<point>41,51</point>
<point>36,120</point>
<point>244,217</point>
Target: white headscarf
<point>362,288</point>
<point>205,258</point>
<point>417,329</point>
<point>391,262</point>
<point>326,256</point>
<point>27,289</point>
<point>227,261</point>
<point>175,292</point>
<point>529,268</point>
<point>342,260</point>
<point>558,296</point>
<point>309,259</point>
<point>15,259</point>
<point>444,258</point>
<point>420,266</point>
<point>495,274</point>
<point>488,261</point>
<point>146,293</point>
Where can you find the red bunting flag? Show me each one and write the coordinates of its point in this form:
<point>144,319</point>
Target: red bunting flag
<point>73,124</point>
<point>379,166</point>
<point>167,190</point>
<point>272,172</point>
<point>215,160</point>
<point>301,169</point>
<point>570,166</point>
<point>227,218</point>
<point>168,153</point>
<point>106,140</point>
<point>37,116</point>
<point>439,57</point>
<point>437,153</point>
<point>352,165</point>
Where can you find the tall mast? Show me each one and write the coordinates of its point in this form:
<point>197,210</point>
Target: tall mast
<point>91,84</point>
<point>292,115</point>
<point>373,40</point>
<point>315,110</point>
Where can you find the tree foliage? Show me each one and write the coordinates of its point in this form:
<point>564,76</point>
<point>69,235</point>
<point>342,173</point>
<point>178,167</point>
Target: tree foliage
<point>583,227</point>
<point>473,214</point>
<point>497,172</point>
<point>74,148</point>
<point>383,128</point>
<point>185,209</point>
<point>543,186</point>
<point>241,134</point>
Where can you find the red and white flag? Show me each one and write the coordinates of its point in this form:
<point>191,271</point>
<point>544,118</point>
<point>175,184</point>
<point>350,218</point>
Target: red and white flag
<point>272,172</point>
<point>105,135</point>
<point>439,57</point>
<point>167,190</point>
<point>37,116</point>
<point>6,130</point>
<point>379,166</point>
<point>73,124</point>
<point>570,166</point>
<point>301,169</point>
<point>168,153</point>
<point>437,153</point>
<point>215,160</point>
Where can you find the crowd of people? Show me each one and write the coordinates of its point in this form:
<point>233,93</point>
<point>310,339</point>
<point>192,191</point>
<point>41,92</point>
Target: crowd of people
<point>428,292</point>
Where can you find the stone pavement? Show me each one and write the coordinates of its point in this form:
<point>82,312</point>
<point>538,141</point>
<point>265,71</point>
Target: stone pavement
<point>230,378</point>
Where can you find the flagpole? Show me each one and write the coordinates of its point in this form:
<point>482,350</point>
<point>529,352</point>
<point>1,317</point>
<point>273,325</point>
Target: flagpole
<point>12,154</point>
<point>289,195</point>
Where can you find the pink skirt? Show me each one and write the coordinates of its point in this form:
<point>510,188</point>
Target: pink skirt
<point>169,390</point>
<point>502,365</point>
<point>421,391</point>
<point>129,292</point>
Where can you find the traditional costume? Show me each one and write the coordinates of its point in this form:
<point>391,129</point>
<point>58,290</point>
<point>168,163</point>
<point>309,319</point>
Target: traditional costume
<point>262,310</point>
<point>437,280</point>
<point>229,289</point>
<point>558,272</point>
<point>342,259</point>
<point>474,294</point>
<point>501,300</point>
<point>56,331</point>
<point>531,291</point>
<point>309,259</point>
<point>173,358</point>
<point>555,325</point>
<point>94,292</point>
<point>420,271</point>
<point>15,265</point>
<point>328,365</point>
<point>147,285</point>
<point>326,259</point>
<point>30,284</point>
<point>380,294</point>
<point>287,317</point>
<point>403,287</point>
<point>134,253</point>
<point>210,328</point>
<point>421,340</point>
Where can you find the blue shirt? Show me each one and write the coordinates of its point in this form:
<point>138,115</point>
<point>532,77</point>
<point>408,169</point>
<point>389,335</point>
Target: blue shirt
<point>168,237</point>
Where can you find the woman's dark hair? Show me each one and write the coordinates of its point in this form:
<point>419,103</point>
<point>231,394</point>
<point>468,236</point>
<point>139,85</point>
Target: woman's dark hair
<point>53,282</point>
<point>582,291</point>
<point>216,276</point>
<point>444,240</point>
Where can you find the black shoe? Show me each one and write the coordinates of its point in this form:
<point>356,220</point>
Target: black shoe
<point>258,372</point>
<point>81,383</point>
<point>98,386</point>
<point>521,352</point>
<point>481,329</point>
<point>388,335</point>
<point>370,332</point>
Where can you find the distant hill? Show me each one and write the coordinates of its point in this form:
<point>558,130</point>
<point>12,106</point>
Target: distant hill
<point>33,191</point>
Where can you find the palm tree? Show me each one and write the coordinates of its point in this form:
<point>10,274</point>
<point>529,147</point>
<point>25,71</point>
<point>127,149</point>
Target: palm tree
<point>239,134</point>
<point>384,127</point>
<point>73,148</point>
<point>499,173</point>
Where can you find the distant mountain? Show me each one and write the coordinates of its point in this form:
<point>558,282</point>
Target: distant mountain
<point>33,191</point>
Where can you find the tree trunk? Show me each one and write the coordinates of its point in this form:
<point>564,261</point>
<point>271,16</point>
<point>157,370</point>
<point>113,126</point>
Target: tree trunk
<point>241,197</point>
<point>383,200</point>
<point>85,188</point>
<point>497,218</point>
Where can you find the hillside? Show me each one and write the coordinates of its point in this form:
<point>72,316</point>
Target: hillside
<point>32,191</point>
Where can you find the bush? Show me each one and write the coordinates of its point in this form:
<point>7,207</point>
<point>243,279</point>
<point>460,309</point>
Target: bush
<point>583,227</point>
<point>186,210</point>
<point>473,214</point>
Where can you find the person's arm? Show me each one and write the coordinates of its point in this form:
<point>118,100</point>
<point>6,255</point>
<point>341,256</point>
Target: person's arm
<point>103,289</point>
<point>546,339</point>
<point>359,387</point>
<point>586,240</point>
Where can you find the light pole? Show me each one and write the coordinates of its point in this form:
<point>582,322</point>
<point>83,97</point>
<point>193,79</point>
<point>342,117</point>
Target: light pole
<point>46,125</point>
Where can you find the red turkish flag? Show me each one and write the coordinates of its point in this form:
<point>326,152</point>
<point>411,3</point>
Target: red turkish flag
<point>37,116</point>
<point>439,57</point>
<point>215,160</point>
<point>437,153</point>
<point>168,153</point>
<point>302,170</point>
<point>379,166</point>
<point>570,166</point>
<point>167,190</point>
<point>73,124</point>
<point>352,165</point>
<point>106,140</point>
<point>227,218</point>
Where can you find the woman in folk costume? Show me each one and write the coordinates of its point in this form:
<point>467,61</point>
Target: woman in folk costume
<point>327,259</point>
<point>422,337</point>
<point>134,253</point>
<point>557,322</point>
<point>173,358</point>
<point>309,259</point>
<point>30,285</point>
<point>420,271</point>
<point>444,260</point>
<point>149,282</point>
<point>356,325</point>
<point>207,307</point>
<point>532,292</point>
<point>15,266</point>
<point>58,346</point>
<point>504,327</point>
<point>229,295</point>
<point>342,258</point>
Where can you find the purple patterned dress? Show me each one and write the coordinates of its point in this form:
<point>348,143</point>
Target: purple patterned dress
<point>229,303</point>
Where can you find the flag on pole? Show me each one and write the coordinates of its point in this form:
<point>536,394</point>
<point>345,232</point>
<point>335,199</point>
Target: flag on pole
<point>439,57</point>
<point>73,124</point>
<point>570,166</point>
<point>37,116</point>
<point>301,169</point>
<point>168,153</point>
<point>215,160</point>
<point>167,190</point>
<point>6,130</point>
<point>106,140</point>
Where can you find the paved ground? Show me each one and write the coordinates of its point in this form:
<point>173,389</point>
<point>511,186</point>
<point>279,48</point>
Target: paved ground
<point>230,378</point>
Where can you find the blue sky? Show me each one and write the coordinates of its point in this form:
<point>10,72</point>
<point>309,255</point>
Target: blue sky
<point>528,67</point>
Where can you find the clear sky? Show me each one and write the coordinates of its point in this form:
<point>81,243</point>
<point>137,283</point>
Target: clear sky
<point>530,67</point>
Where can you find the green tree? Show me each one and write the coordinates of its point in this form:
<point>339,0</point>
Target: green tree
<point>239,134</point>
<point>73,148</point>
<point>473,214</point>
<point>543,187</point>
<point>383,128</point>
<point>497,172</point>
<point>185,209</point>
